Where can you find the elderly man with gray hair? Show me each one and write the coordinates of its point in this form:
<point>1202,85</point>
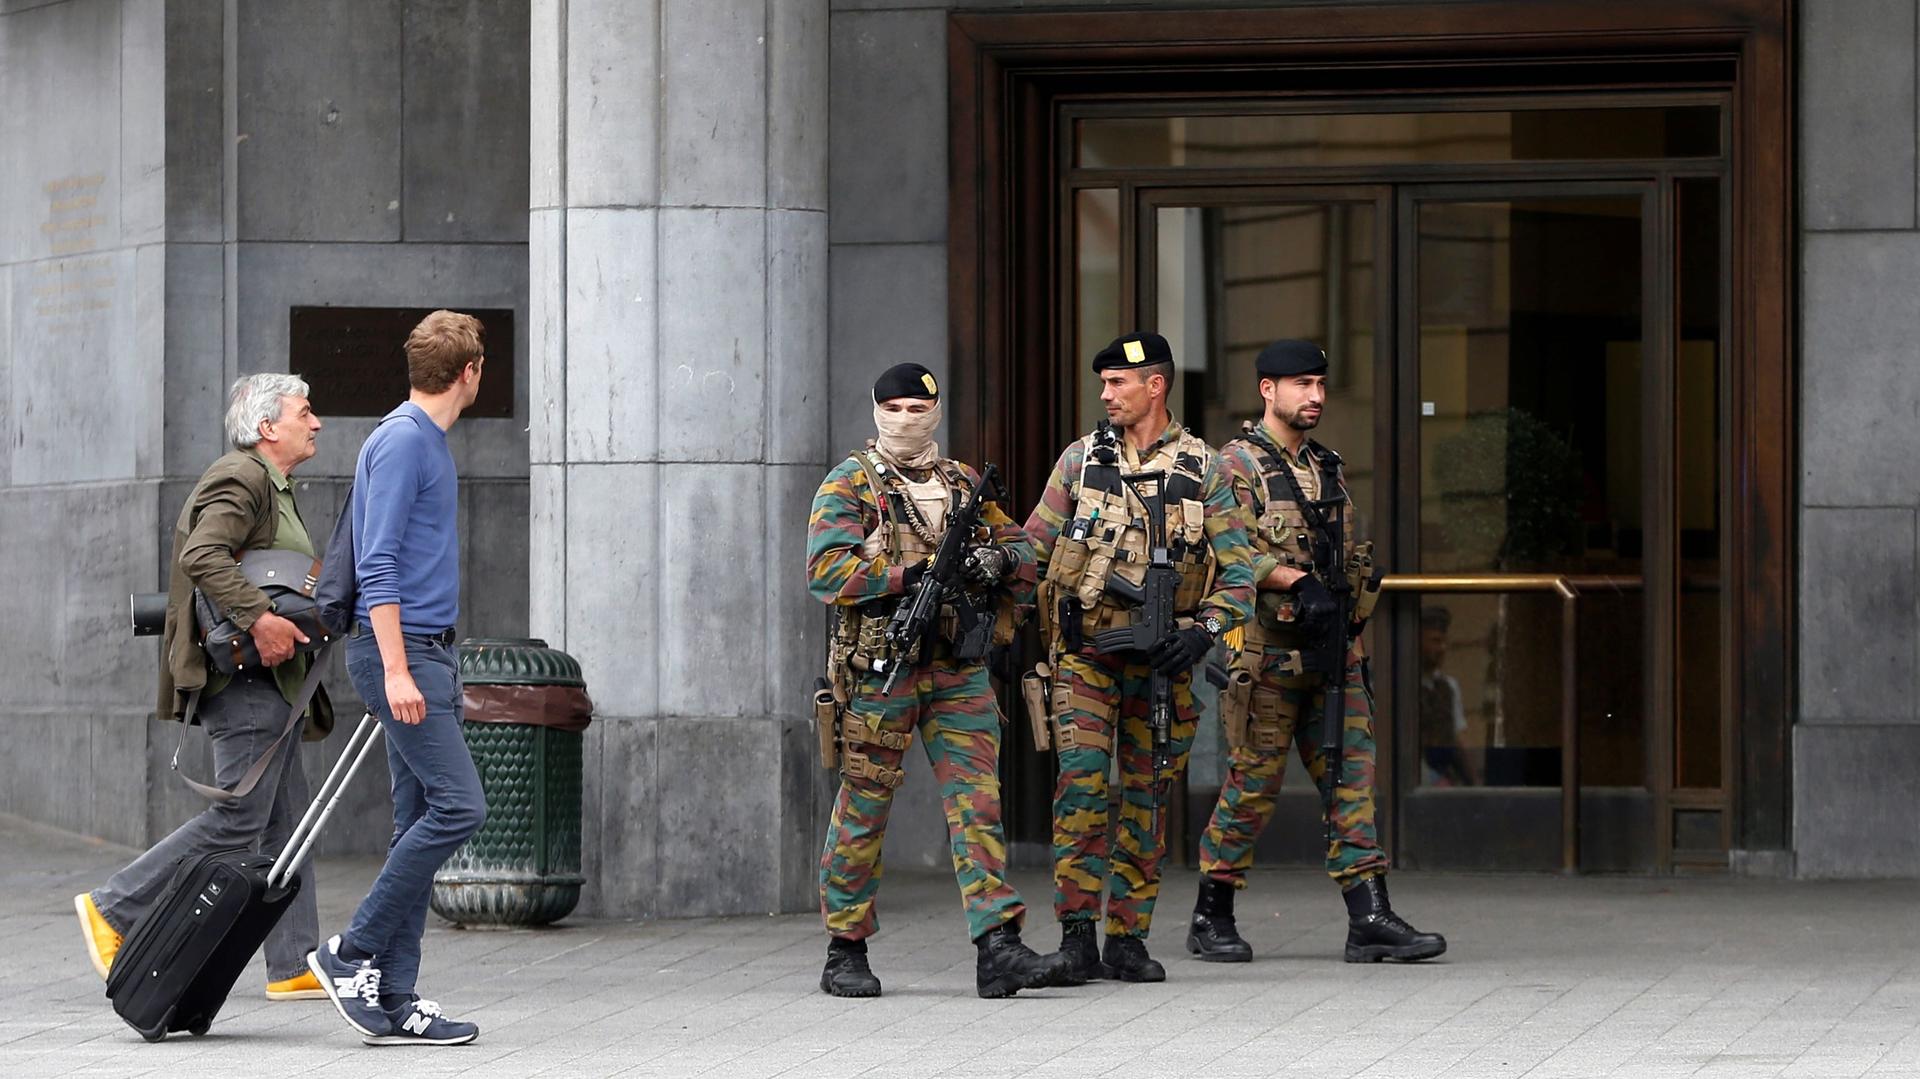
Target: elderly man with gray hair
<point>244,502</point>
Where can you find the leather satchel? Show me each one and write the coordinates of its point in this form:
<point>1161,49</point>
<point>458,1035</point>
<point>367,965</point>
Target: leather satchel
<point>288,578</point>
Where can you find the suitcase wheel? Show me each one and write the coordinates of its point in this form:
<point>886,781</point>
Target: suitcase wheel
<point>200,1028</point>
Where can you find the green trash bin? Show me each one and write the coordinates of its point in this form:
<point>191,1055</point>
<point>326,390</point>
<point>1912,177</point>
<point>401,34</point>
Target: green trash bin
<point>525,707</point>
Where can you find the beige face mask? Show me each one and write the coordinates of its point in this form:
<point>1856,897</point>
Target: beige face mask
<point>906,438</point>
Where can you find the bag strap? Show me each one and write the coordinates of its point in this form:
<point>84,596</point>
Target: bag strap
<point>296,714</point>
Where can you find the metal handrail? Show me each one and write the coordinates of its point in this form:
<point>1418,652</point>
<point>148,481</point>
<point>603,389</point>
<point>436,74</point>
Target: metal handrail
<point>1568,587</point>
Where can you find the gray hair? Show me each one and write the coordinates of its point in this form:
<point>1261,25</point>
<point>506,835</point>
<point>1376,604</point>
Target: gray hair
<point>255,399</point>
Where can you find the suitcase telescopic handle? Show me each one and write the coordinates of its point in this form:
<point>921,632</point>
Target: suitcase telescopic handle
<point>365,736</point>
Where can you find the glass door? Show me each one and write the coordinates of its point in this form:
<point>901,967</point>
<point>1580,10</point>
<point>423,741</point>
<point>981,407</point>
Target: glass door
<point>1528,336</point>
<point>1531,363</point>
<point>1224,273</point>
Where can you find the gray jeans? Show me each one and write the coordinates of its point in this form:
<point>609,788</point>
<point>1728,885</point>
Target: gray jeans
<point>241,721</point>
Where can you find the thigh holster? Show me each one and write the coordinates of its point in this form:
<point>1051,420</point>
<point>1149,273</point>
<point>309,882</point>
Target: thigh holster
<point>1271,718</point>
<point>854,735</point>
<point>1066,701</point>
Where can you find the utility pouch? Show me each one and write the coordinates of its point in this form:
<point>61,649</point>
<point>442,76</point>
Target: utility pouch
<point>1193,520</point>
<point>1093,582</point>
<point>1366,585</point>
<point>1068,563</point>
<point>1235,701</point>
<point>1034,691</point>
<point>826,723</point>
<point>872,643</point>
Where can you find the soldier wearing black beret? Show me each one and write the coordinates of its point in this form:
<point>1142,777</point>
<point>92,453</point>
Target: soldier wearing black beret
<point>875,523</point>
<point>1316,588</point>
<point>1091,532</point>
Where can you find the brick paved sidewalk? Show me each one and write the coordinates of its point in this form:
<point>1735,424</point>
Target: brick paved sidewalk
<point>1544,977</point>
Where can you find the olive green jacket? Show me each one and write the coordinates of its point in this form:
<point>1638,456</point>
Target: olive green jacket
<point>230,510</point>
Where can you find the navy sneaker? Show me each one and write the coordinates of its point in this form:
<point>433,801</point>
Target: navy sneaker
<point>420,1022</point>
<point>353,987</point>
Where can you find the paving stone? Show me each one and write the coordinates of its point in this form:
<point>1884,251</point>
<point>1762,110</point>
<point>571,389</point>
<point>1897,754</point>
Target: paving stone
<point>1544,977</point>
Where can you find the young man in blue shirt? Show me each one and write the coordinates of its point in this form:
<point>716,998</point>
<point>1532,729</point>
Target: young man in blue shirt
<point>400,655</point>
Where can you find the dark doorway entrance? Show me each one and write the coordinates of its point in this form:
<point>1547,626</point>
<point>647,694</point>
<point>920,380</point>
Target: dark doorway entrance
<point>1541,384</point>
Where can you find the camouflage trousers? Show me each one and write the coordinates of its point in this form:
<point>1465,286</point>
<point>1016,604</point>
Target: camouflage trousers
<point>1286,709</point>
<point>1106,713</point>
<point>952,707</point>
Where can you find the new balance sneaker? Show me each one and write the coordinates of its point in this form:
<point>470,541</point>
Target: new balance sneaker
<point>102,942</point>
<point>354,988</point>
<point>420,1022</point>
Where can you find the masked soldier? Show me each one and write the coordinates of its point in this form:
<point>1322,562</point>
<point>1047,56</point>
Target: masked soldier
<point>1316,589</point>
<point>1137,496</point>
<point>876,523</point>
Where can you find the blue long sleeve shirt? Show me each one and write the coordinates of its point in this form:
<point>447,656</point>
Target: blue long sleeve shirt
<point>406,527</point>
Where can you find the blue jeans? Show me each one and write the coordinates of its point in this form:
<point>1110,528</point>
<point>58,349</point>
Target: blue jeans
<point>437,803</point>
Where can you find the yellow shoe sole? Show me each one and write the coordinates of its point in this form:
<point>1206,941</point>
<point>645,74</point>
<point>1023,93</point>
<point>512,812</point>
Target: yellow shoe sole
<point>100,962</point>
<point>296,994</point>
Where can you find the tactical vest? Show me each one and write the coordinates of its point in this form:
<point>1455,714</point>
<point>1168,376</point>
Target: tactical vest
<point>1107,536</point>
<point>1284,528</point>
<point>908,533</point>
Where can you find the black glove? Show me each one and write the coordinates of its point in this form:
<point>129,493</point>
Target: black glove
<point>911,576</point>
<point>1314,606</point>
<point>986,566</point>
<point>1180,650</point>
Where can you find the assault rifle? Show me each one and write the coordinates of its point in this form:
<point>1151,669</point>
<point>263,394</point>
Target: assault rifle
<point>914,618</point>
<point>1153,619</point>
<point>1325,654</point>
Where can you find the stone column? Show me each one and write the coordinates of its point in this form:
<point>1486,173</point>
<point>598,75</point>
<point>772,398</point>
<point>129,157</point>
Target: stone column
<point>678,388</point>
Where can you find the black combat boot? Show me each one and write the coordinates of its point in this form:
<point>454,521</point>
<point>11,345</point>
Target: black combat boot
<point>1082,954</point>
<point>1007,966</point>
<point>847,974</point>
<point>1212,936</point>
<point>1375,932</point>
<point>1127,960</point>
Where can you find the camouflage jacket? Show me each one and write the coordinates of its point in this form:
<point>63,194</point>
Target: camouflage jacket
<point>846,511</point>
<point>1241,460</point>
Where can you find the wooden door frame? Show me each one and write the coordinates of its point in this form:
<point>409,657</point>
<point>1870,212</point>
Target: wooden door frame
<point>1007,73</point>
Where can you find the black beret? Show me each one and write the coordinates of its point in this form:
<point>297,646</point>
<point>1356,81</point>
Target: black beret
<point>1283,359</point>
<point>906,380</point>
<point>1134,350</point>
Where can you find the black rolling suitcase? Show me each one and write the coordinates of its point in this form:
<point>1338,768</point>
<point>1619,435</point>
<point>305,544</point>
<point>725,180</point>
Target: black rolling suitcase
<point>180,961</point>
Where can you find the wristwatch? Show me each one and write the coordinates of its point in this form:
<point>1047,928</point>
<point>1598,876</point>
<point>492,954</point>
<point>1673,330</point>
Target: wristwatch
<point>1211,623</point>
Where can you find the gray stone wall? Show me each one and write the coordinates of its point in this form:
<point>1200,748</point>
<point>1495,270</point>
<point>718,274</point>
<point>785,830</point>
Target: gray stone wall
<point>1856,746</point>
<point>181,180</point>
<point>678,249</point>
<point>82,287</point>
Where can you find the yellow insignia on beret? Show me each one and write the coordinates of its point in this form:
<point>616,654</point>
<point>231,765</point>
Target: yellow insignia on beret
<point>1136,353</point>
<point>932,387</point>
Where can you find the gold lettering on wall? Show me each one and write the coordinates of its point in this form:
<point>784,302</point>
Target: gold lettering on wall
<point>72,217</point>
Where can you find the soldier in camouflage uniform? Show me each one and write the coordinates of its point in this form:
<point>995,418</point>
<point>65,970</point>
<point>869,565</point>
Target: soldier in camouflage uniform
<point>1090,532</point>
<point>1290,485</point>
<point>875,522</point>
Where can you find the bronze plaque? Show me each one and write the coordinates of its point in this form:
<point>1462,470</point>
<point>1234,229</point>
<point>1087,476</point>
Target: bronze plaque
<point>355,364</point>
